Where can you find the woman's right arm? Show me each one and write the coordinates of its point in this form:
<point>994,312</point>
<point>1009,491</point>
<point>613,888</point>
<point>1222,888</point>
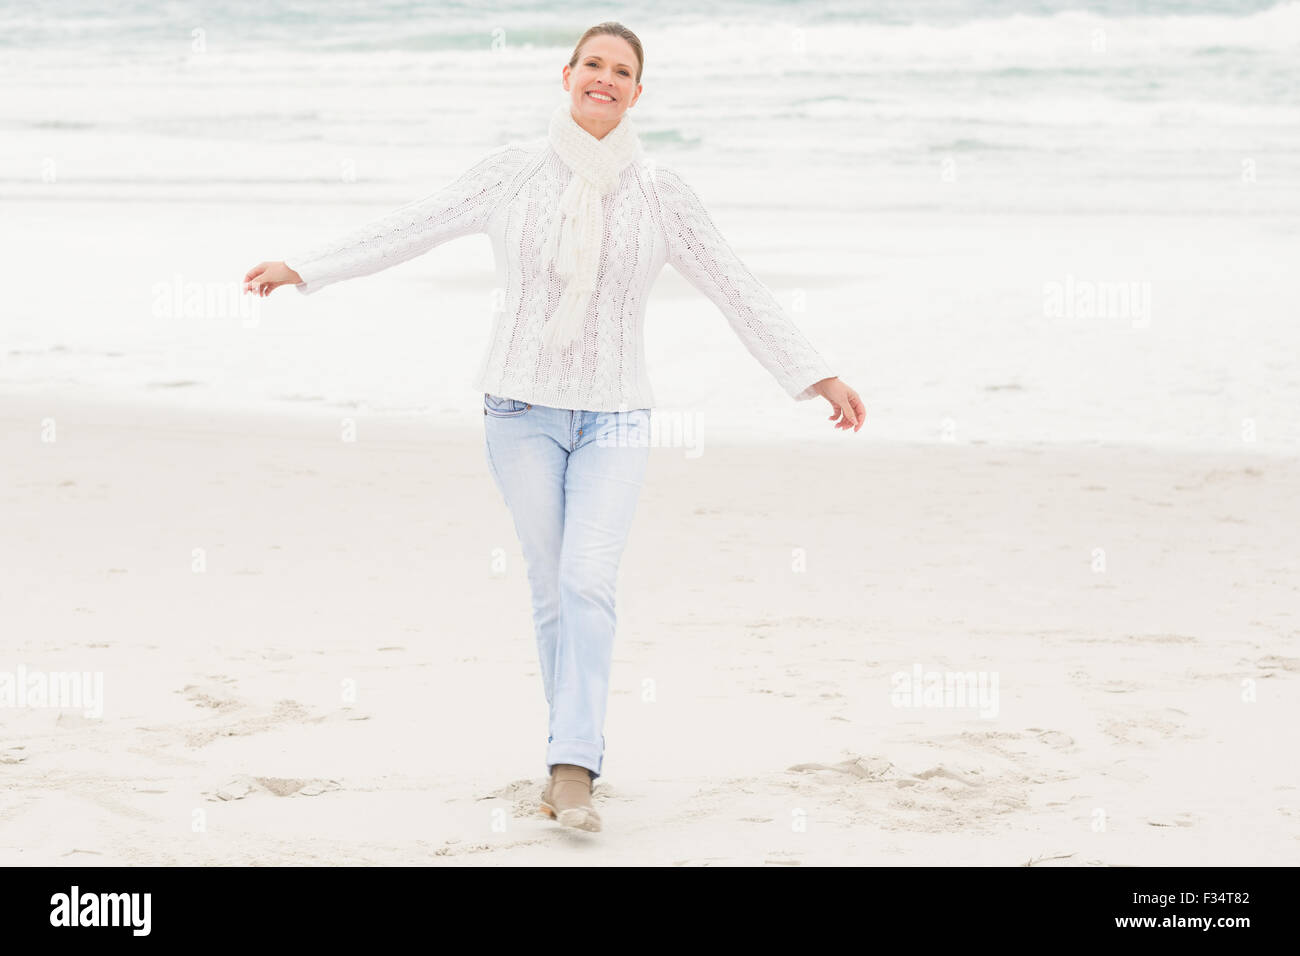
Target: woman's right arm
<point>458,209</point>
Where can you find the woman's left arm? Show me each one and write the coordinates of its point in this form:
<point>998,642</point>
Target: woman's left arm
<point>698,250</point>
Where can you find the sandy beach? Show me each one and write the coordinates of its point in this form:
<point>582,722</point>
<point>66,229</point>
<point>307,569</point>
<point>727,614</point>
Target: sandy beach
<point>319,651</point>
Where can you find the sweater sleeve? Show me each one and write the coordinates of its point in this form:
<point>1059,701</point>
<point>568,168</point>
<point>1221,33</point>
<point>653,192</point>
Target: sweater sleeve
<point>702,255</point>
<point>458,209</point>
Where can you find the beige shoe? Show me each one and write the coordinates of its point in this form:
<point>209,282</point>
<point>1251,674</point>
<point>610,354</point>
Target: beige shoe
<point>567,797</point>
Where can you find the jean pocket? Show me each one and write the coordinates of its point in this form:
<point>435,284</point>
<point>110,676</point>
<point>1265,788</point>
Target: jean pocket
<point>499,407</point>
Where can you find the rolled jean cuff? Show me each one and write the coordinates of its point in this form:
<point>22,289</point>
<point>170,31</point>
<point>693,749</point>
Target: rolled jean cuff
<point>582,753</point>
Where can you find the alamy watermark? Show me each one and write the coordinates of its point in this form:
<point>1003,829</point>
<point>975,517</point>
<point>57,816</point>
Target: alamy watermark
<point>1076,298</point>
<point>198,299</point>
<point>63,690</point>
<point>657,428</point>
<point>950,689</point>
<point>75,908</point>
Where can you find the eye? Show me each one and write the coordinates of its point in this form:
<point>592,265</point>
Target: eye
<point>623,72</point>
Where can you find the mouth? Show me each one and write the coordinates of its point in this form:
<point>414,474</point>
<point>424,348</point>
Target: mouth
<point>599,96</point>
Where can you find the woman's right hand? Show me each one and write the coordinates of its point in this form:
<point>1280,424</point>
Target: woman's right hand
<point>265,277</point>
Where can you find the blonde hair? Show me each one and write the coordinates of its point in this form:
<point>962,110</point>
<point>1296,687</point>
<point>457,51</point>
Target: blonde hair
<point>615,29</point>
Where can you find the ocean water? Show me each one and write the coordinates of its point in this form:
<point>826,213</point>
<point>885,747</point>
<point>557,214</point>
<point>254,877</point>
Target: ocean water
<point>1002,221</point>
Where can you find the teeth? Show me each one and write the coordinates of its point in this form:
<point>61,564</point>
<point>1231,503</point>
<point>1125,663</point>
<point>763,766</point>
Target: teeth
<point>600,96</point>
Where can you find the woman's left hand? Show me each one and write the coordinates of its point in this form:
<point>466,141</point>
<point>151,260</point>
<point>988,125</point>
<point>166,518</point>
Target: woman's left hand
<point>848,407</point>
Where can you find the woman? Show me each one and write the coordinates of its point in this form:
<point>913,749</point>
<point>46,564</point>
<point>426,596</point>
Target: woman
<point>581,224</point>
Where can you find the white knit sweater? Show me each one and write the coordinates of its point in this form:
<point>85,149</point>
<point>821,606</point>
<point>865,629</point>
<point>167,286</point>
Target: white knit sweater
<point>653,217</point>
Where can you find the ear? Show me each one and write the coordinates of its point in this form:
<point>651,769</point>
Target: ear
<point>564,76</point>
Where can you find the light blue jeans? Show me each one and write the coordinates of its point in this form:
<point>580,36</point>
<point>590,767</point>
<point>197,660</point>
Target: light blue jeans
<point>571,479</point>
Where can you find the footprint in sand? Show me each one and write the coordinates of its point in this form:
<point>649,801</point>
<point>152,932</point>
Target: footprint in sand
<point>514,790</point>
<point>211,696</point>
<point>937,798</point>
<point>341,715</point>
<point>524,796</point>
<point>1172,820</point>
<point>283,712</point>
<point>947,774</point>
<point>869,768</point>
<point>245,785</point>
<point>1052,858</point>
<point>456,848</point>
<point>878,768</point>
<point>1053,738</point>
<point>70,720</point>
<point>1147,730</point>
<point>863,768</point>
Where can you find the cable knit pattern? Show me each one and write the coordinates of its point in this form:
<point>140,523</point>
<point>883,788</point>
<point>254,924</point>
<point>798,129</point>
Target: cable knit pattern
<point>652,218</point>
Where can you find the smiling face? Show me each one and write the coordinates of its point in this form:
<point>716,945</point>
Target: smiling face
<point>606,67</point>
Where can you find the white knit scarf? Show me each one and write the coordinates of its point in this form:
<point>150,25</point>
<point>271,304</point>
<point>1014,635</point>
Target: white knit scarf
<point>572,242</point>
